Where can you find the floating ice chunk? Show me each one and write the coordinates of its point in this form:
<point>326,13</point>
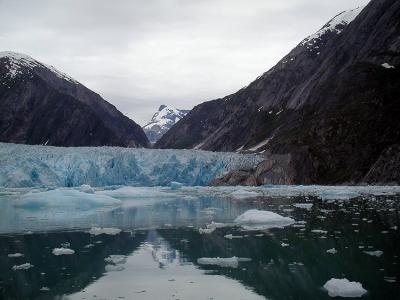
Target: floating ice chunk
<point>319,231</point>
<point>243,194</point>
<point>174,185</point>
<point>255,219</point>
<point>376,253</point>
<point>284,245</point>
<point>344,288</point>
<point>24,266</point>
<point>88,246</point>
<point>62,251</point>
<point>130,192</point>
<point>387,66</point>
<point>109,231</point>
<point>114,268</point>
<point>14,255</point>
<point>44,289</point>
<point>307,206</point>
<point>65,198</point>
<point>206,230</point>
<point>115,259</point>
<point>216,225</point>
<point>85,188</point>
<point>230,262</point>
<point>231,236</point>
<point>331,251</point>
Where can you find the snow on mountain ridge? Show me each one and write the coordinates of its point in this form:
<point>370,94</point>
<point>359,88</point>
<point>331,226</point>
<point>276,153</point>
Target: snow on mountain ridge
<point>18,61</point>
<point>162,121</point>
<point>336,24</point>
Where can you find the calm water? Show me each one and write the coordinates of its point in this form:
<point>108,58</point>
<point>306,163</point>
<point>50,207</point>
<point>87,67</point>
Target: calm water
<point>161,245</point>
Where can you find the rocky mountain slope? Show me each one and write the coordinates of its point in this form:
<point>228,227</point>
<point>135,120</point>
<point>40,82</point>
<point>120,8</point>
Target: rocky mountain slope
<point>326,113</point>
<point>40,105</point>
<point>162,121</point>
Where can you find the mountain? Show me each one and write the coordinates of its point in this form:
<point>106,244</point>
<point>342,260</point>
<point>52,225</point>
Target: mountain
<point>326,113</point>
<point>41,105</point>
<point>162,121</point>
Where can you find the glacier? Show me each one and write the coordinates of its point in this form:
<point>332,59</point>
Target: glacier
<point>36,166</point>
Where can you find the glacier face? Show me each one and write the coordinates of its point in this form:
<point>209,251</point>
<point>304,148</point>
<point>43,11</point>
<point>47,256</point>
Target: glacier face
<point>27,165</point>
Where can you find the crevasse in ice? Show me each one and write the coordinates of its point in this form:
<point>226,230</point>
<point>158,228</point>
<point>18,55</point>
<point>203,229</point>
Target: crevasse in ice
<point>27,165</point>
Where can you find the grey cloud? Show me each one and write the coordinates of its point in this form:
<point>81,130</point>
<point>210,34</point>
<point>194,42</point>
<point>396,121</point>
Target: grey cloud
<point>140,54</point>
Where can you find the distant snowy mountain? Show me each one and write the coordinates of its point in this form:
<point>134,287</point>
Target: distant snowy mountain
<point>41,105</point>
<point>162,121</point>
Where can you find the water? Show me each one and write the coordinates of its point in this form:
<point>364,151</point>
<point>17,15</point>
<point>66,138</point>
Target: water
<point>162,245</point>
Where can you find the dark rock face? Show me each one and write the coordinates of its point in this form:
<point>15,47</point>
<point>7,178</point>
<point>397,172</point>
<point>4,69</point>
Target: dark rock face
<point>335,97</point>
<point>40,105</point>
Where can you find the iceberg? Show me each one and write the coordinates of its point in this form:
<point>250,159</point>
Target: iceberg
<point>344,288</point>
<point>28,165</point>
<point>64,198</point>
<point>255,219</point>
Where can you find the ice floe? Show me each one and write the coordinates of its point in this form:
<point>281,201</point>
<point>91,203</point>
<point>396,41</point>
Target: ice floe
<point>377,253</point>
<point>115,259</point>
<point>62,198</point>
<point>108,231</point>
<point>15,255</point>
<point>331,251</point>
<point>344,288</point>
<point>229,262</point>
<point>62,251</point>
<point>24,266</point>
<point>255,219</point>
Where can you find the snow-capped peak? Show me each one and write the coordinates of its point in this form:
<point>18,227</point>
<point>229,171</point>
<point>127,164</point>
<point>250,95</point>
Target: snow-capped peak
<point>335,25</point>
<point>162,121</point>
<point>17,62</point>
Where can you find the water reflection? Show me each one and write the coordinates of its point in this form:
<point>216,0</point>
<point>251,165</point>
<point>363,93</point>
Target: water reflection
<point>162,246</point>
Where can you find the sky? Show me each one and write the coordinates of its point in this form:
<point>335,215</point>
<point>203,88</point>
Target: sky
<point>139,54</point>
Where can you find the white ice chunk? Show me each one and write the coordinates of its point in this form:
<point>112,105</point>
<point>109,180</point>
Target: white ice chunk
<point>24,266</point>
<point>109,231</point>
<point>255,219</point>
<point>13,255</point>
<point>230,262</point>
<point>331,251</point>
<point>344,288</point>
<point>376,253</point>
<point>86,189</point>
<point>307,206</point>
<point>115,259</point>
<point>62,251</point>
<point>387,66</point>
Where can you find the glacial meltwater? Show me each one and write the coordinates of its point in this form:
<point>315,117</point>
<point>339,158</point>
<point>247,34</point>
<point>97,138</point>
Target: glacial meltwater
<point>270,242</point>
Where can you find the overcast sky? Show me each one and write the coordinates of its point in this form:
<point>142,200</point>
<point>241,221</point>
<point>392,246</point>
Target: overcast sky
<point>139,54</point>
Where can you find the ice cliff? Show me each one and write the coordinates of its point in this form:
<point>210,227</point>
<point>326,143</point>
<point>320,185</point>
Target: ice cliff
<point>26,166</point>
